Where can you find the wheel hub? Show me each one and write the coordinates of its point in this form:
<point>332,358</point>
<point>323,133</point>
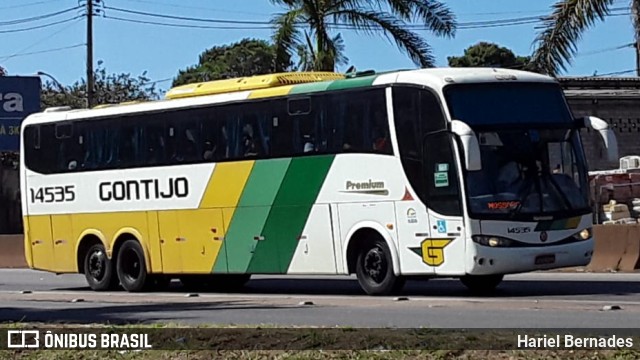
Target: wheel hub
<point>97,264</point>
<point>374,264</point>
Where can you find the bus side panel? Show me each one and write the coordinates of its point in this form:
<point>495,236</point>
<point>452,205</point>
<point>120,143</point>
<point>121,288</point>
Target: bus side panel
<point>41,242</point>
<point>379,216</point>
<point>155,253</point>
<point>315,253</point>
<point>413,234</point>
<point>198,247</point>
<point>170,242</point>
<point>64,244</point>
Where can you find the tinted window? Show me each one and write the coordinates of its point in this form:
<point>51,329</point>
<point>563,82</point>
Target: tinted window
<point>441,175</point>
<point>417,113</point>
<point>487,104</point>
<point>353,121</point>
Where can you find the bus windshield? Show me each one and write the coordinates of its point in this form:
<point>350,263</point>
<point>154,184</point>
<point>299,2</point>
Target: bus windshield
<point>532,159</point>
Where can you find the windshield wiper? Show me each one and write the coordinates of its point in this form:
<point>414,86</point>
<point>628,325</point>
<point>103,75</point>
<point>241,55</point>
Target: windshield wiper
<point>563,196</point>
<point>526,192</point>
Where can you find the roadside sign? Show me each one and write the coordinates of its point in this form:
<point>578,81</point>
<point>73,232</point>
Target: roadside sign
<point>19,97</point>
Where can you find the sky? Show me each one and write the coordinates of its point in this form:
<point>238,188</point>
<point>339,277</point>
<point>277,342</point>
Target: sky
<point>125,47</point>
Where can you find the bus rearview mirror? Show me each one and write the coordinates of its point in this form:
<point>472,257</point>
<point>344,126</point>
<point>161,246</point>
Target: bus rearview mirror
<point>607,134</point>
<point>469,143</point>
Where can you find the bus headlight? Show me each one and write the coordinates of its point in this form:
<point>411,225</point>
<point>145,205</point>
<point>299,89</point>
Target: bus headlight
<point>583,235</point>
<point>492,241</point>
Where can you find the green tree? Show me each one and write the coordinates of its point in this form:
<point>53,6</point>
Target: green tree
<point>308,22</point>
<point>556,44</point>
<point>485,54</point>
<point>245,58</point>
<point>3,71</point>
<point>110,89</point>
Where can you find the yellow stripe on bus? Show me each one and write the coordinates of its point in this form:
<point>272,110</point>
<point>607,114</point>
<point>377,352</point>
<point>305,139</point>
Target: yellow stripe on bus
<point>273,92</point>
<point>226,185</point>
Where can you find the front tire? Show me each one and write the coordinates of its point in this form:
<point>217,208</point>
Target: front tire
<point>374,269</point>
<point>99,269</point>
<point>131,267</point>
<point>481,284</point>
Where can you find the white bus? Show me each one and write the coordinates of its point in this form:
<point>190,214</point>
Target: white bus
<point>465,173</point>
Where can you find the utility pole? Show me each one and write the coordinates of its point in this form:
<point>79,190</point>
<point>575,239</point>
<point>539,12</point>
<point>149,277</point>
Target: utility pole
<point>90,79</point>
<point>637,56</point>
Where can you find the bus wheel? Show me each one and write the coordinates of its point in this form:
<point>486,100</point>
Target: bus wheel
<point>481,284</point>
<point>98,269</point>
<point>374,269</point>
<point>131,267</point>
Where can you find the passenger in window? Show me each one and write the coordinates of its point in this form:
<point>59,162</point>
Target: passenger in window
<point>73,165</point>
<point>248,141</point>
<point>209,150</point>
<point>380,134</point>
<point>309,146</point>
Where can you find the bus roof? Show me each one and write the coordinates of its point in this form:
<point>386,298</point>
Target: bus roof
<point>265,86</point>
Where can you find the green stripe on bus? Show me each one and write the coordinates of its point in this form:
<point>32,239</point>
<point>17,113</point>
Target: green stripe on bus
<point>289,214</point>
<point>310,87</point>
<point>352,83</point>
<point>251,214</point>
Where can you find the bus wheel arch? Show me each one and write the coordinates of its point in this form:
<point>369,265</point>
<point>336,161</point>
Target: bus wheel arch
<point>94,263</point>
<point>130,234</point>
<point>372,257</point>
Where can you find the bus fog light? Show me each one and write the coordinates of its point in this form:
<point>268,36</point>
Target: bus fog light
<point>585,234</point>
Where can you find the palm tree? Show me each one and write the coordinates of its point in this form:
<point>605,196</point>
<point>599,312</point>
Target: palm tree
<point>557,42</point>
<point>308,56</point>
<point>319,17</point>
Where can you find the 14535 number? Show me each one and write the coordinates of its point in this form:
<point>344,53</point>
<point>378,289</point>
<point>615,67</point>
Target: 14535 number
<point>53,194</point>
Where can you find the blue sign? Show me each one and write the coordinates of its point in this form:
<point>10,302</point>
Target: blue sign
<point>19,97</point>
<point>442,226</point>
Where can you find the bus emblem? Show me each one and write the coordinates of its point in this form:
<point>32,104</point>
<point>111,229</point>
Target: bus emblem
<point>432,251</point>
<point>543,236</point>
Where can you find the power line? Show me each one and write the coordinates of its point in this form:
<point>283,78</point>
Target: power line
<point>26,5</point>
<point>43,51</point>
<point>594,52</point>
<point>36,18</point>
<point>41,40</point>
<point>39,26</point>
<point>461,26</point>
<point>196,7</point>
<point>189,26</point>
<point>618,72</point>
<point>173,17</point>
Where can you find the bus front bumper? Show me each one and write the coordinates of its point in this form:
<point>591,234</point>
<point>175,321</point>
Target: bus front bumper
<point>484,260</point>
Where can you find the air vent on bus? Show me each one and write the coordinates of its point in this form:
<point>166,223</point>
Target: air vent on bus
<point>250,83</point>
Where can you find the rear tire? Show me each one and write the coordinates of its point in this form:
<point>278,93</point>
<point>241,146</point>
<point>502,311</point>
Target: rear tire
<point>131,267</point>
<point>374,269</point>
<point>99,269</point>
<point>481,284</point>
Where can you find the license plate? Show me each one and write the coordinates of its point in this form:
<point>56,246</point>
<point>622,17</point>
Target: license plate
<point>545,259</point>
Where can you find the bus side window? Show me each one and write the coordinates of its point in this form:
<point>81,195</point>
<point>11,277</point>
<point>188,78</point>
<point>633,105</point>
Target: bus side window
<point>443,190</point>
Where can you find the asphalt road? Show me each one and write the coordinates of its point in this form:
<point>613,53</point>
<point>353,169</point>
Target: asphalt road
<point>535,300</point>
